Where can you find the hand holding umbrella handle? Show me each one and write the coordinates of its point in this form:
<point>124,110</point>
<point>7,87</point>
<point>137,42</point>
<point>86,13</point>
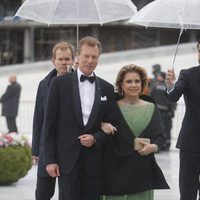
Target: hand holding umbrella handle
<point>170,77</point>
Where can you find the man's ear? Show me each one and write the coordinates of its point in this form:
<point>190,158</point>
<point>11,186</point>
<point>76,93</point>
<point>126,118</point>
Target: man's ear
<point>53,61</point>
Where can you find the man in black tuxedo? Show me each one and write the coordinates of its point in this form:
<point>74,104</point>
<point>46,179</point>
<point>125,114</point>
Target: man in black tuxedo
<point>188,85</point>
<point>62,58</point>
<point>77,104</point>
<point>10,103</point>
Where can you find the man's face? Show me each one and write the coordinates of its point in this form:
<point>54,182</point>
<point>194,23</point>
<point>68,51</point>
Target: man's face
<point>198,49</point>
<point>62,60</point>
<point>88,59</point>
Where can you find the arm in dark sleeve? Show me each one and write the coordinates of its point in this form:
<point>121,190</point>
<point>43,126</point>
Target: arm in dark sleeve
<point>110,116</point>
<point>157,129</point>
<point>112,113</point>
<point>38,120</point>
<point>50,124</point>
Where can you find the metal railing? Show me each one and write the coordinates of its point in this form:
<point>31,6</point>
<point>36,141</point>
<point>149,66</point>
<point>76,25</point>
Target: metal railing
<point>26,109</point>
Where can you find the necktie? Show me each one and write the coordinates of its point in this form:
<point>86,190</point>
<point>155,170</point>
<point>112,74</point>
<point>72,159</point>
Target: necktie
<point>89,78</point>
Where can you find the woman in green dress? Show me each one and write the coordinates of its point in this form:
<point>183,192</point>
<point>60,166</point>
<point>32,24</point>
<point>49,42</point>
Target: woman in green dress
<point>130,168</point>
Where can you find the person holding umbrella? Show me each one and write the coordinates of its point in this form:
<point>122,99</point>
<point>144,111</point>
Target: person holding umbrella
<point>62,59</point>
<point>189,137</point>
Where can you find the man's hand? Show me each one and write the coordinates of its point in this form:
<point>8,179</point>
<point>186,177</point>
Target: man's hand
<point>170,77</point>
<point>53,170</point>
<point>35,159</point>
<point>87,140</point>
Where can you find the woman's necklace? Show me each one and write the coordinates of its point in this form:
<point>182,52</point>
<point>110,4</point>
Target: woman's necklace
<point>131,101</point>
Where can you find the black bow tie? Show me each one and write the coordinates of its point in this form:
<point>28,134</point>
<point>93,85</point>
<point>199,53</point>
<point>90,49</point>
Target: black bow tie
<point>89,78</point>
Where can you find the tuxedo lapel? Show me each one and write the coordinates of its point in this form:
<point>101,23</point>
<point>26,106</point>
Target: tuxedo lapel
<point>96,105</point>
<point>77,100</point>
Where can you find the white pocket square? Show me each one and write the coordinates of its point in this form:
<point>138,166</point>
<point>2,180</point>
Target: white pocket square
<point>104,98</point>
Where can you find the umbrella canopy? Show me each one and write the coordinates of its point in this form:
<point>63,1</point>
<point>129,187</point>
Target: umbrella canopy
<point>76,11</point>
<point>182,14</point>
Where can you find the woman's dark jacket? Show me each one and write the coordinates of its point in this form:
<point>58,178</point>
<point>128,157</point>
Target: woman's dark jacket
<point>125,171</point>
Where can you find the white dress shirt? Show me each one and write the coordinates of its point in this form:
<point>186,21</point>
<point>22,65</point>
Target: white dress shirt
<point>87,93</point>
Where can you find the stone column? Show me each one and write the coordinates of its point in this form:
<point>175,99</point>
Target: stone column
<point>29,45</point>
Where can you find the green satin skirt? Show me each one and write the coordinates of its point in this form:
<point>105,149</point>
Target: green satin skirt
<point>147,195</point>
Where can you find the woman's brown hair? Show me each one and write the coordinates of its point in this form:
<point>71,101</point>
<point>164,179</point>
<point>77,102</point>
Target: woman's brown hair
<point>130,69</point>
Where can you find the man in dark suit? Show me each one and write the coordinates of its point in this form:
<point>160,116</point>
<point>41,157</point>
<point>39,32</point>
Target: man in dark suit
<point>62,58</point>
<point>188,85</point>
<point>77,104</point>
<point>10,103</point>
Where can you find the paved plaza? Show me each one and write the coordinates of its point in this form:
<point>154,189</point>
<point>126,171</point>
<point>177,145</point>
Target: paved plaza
<point>168,161</point>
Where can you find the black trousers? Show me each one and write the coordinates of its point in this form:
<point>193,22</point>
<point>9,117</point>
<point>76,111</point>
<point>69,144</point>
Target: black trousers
<point>11,124</point>
<point>80,185</point>
<point>189,183</point>
<point>45,188</point>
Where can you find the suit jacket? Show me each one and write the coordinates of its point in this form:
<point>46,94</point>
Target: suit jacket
<point>188,85</point>
<point>64,123</point>
<point>10,100</point>
<point>38,121</point>
<point>127,172</point>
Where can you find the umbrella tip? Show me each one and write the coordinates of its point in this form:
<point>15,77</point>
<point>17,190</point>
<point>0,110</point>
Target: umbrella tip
<point>15,17</point>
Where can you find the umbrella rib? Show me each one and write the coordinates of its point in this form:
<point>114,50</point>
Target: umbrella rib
<point>95,2</point>
<point>52,12</point>
<point>181,14</point>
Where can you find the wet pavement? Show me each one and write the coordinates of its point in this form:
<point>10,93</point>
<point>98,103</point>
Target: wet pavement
<point>168,161</point>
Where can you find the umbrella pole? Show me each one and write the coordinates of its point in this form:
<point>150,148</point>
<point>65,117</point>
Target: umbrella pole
<point>177,45</point>
<point>77,36</point>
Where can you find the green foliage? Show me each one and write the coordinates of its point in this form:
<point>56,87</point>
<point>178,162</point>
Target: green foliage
<point>15,161</point>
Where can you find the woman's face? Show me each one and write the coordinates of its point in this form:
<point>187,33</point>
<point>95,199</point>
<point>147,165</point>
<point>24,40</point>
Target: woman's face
<point>132,85</point>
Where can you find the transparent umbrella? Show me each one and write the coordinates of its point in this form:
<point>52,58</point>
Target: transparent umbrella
<point>76,11</point>
<point>181,14</point>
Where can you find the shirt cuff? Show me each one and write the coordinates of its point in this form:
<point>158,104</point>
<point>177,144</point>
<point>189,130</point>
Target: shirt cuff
<point>169,88</point>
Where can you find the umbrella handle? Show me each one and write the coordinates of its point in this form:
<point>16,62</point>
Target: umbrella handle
<point>177,45</point>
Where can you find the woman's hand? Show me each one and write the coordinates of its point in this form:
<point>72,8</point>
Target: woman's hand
<point>108,128</point>
<point>148,149</point>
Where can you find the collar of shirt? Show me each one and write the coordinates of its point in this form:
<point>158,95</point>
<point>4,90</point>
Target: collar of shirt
<point>79,73</point>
